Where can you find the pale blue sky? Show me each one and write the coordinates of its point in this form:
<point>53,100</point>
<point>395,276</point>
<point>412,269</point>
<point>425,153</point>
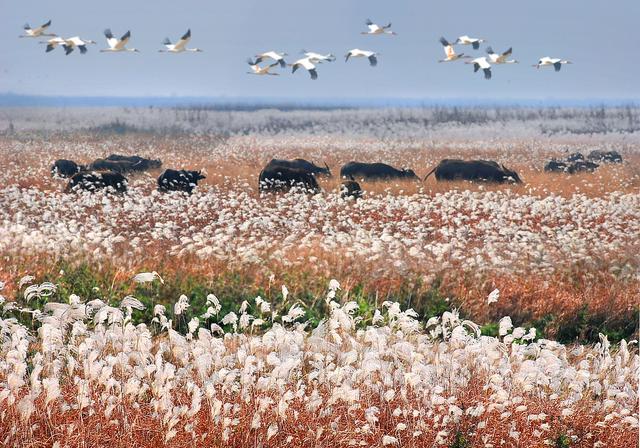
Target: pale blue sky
<point>600,37</point>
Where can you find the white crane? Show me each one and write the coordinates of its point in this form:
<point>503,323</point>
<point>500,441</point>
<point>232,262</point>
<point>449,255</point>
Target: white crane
<point>180,46</point>
<point>37,32</point>
<point>556,62</point>
<point>466,40</point>
<point>481,63</point>
<point>450,53</point>
<point>278,57</point>
<point>357,53</point>
<point>307,65</point>
<point>502,57</point>
<point>75,42</point>
<point>117,45</point>
<point>378,29</point>
<point>317,57</point>
<point>257,70</point>
<point>52,43</point>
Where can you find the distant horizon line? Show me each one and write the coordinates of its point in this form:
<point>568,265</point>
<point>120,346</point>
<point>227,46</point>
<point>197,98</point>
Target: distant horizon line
<point>9,99</point>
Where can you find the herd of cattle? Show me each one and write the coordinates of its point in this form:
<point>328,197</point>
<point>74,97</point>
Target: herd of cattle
<point>282,175</point>
<point>576,162</point>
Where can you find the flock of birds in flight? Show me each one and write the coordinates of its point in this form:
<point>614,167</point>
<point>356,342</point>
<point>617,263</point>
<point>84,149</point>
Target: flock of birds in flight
<point>310,60</point>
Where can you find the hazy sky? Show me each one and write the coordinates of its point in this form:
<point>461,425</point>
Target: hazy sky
<point>600,37</point>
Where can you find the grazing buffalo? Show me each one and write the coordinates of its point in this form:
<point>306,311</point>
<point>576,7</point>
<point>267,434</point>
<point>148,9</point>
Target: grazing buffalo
<point>65,168</point>
<point>280,178</point>
<point>139,163</point>
<point>556,166</point>
<point>480,170</point>
<point>179,180</point>
<point>350,189</point>
<point>301,164</point>
<point>575,157</point>
<point>92,181</point>
<point>118,166</point>
<point>375,171</point>
<point>605,156</point>
<point>582,166</point>
<point>559,166</point>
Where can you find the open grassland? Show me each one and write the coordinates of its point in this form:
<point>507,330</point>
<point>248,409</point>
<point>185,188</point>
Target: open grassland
<point>84,363</point>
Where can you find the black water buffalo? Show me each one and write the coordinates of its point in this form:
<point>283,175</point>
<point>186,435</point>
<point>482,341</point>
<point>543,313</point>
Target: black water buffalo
<point>92,181</point>
<point>556,166</point>
<point>280,178</point>
<point>118,166</point>
<point>581,166</point>
<point>139,163</point>
<point>375,171</point>
<point>350,189</point>
<point>577,166</point>
<point>474,170</point>
<point>179,180</point>
<point>574,157</point>
<point>65,168</point>
<point>301,164</point>
<point>605,156</point>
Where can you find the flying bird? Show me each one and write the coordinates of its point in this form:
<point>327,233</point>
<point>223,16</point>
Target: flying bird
<point>450,53</point>
<point>180,46</point>
<point>357,53</point>
<point>466,40</point>
<point>278,57</point>
<point>317,57</point>
<point>481,63</point>
<point>37,32</point>
<point>257,70</point>
<point>117,45</point>
<point>53,43</point>
<point>75,42</point>
<point>556,62</point>
<point>306,64</point>
<point>502,57</point>
<point>377,29</point>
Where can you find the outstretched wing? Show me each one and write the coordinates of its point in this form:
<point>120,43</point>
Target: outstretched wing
<point>490,50</point>
<point>313,73</point>
<point>476,45</point>
<point>444,42</point>
<point>373,61</point>
<point>183,40</point>
<point>487,73</point>
<point>508,52</point>
<point>368,22</point>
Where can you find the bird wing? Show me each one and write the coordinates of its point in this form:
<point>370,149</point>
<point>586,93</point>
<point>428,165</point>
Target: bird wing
<point>42,27</point>
<point>386,27</point>
<point>489,50</point>
<point>487,73</point>
<point>373,27</point>
<point>368,22</point>
<point>449,51</point>
<point>444,42</point>
<point>183,41</point>
<point>112,41</point>
<point>483,63</point>
<point>26,26</point>
<point>508,52</point>
<point>75,40</point>
<point>373,60</point>
<point>306,63</point>
<point>313,73</point>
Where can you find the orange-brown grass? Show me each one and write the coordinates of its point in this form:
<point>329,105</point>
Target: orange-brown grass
<point>136,425</point>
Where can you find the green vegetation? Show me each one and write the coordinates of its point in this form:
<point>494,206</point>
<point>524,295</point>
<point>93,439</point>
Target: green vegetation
<point>232,288</point>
